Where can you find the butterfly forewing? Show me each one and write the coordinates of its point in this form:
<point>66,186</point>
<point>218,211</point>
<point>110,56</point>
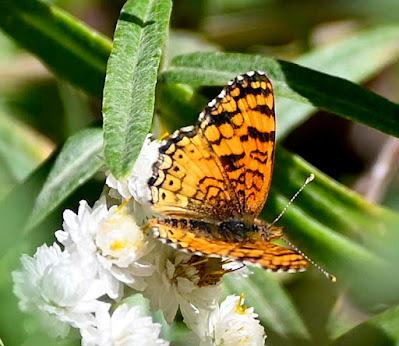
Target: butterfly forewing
<point>240,127</point>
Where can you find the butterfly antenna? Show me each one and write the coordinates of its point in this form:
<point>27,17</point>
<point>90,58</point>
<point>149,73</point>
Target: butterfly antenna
<point>313,263</point>
<point>309,179</point>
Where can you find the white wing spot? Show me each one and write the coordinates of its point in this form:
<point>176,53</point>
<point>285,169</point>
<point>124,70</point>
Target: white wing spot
<point>212,103</point>
<point>222,94</point>
<point>187,128</point>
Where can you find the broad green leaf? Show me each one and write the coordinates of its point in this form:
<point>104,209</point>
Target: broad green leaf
<point>129,92</point>
<point>381,329</point>
<point>291,81</point>
<point>273,304</point>
<point>80,158</point>
<point>68,47</point>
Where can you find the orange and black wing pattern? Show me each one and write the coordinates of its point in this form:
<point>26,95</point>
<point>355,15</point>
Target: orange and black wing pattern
<point>220,170</point>
<point>240,126</point>
<point>222,167</point>
<point>194,237</point>
<point>189,180</point>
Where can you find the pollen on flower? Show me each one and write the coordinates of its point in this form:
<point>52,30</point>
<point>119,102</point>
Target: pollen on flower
<point>232,323</point>
<point>119,245</point>
<point>240,307</point>
<point>119,232</point>
<point>111,241</point>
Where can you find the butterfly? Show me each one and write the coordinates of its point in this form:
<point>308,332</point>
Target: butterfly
<point>211,181</point>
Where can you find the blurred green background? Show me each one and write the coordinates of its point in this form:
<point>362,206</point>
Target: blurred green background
<point>40,111</point>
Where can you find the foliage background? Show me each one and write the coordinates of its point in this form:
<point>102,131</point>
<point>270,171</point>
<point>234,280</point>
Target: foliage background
<point>51,139</point>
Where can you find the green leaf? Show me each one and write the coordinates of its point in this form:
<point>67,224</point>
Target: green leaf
<point>129,92</point>
<point>273,304</point>
<point>21,148</point>
<point>302,84</point>
<point>80,158</point>
<point>71,49</point>
<point>381,329</point>
<point>177,102</point>
<point>357,59</point>
<point>17,205</point>
<point>337,206</point>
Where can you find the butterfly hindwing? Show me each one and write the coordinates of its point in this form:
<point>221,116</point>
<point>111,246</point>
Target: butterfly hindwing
<point>199,238</point>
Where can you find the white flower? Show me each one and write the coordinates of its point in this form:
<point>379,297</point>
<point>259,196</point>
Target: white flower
<point>136,184</point>
<point>179,281</point>
<point>233,324</point>
<point>55,285</point>
<point>109,242</point>
<point>126,327</point>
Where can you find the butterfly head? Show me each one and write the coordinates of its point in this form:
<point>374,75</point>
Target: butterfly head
<point>267,231</point>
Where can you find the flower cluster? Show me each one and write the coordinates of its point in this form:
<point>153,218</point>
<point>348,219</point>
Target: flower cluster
<point>104,254</point>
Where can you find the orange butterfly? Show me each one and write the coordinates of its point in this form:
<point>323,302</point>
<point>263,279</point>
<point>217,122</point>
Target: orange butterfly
<point>211,180</point>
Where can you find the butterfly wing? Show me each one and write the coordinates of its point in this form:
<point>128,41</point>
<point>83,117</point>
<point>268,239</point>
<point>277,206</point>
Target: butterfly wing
<point>240,126</point>
<point>197,238</point>
<point>188,179</point>
<point>222,167</point>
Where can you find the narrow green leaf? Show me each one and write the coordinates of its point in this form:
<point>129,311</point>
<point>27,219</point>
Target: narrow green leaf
<point>292,81</point>
<point>80,158</point>
<point>22,149</point>
<point>271,301</point>
<point>337,206</point>
<point>382,329</point>
<point>129,92</point>
<point>17,205</point>
<point>357,59</point>
<point>71,49</point>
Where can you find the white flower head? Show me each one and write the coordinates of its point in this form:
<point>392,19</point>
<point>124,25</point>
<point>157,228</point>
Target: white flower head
<point>135,185</point>
<point>233,324</point>
<point>55,285</point>
<point>183,281</point>
<point>127,326</point>
<point>110,242</point>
